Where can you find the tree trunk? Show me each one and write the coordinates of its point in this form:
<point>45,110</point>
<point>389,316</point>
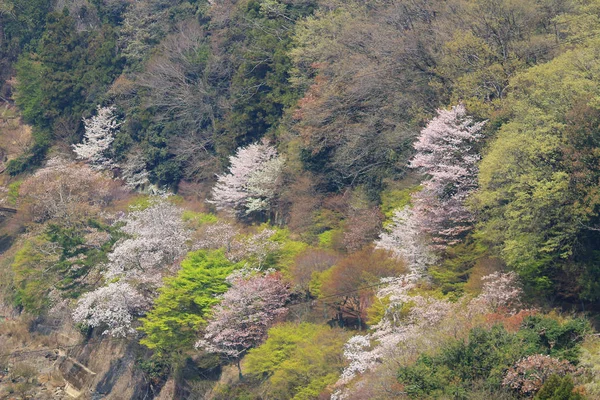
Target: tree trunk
<point>239,367</point>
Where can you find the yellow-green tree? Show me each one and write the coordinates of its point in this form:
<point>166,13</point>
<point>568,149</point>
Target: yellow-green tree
<point>185,302</point>
<point>298,361</point>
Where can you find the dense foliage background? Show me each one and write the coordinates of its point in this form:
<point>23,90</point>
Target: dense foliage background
<point>243,183</point>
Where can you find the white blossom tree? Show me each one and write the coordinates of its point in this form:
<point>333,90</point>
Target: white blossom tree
<point>157,237</point>
<point>113,306</point>
<point>246,312</point>
<point>402,334</point>
<point>133,170</point>
<point>99,134</point>
<point>252,181</point>
<point>446,155</point>
<point>500,292</point>
<point>253,247</point>
<point>405,241</point>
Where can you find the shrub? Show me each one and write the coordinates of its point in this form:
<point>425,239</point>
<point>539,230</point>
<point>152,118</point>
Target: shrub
<point>558,388</point>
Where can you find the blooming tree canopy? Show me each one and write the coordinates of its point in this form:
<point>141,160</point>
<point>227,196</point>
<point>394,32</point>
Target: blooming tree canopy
<point>405,240</point>
<point>529,374</point>
<point>157,237</point>
<point>446,154</point>
<point>65,192</point>
<point>99,134</point>
<point>402,334</point>
<point>113,306</point>
<point>252,181</point>
<point>133,170</point>
<point>245,313</point>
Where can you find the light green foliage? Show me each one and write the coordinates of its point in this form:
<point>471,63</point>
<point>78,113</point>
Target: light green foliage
<point>13,192</point>
<point>139,203</point>
<point>391,200</point>
<point>185,302</point>
<point>316,281</point>
<point>30,279</point>
<point>298,361</point>
<point>60,259</point>
<point>377,310</point>
<point>528,206</point>
<point>590,360</point>
<point>199,218</point>
<point>452,272</point>
<point>289,249</point>
<point>328,239</point>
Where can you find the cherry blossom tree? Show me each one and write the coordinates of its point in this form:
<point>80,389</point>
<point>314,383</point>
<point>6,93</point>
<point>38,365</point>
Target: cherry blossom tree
<point>245,313</point>
<point>413,322</point>
<point>252,181</point>
<point>113,306</point>
<point>253,247</point>
<point>366,352</point>
<point>446,155</point>
<point>133,170</point>
<point>156,238</point>
<point>405,241</point>
<point>65,192</point>
<point>528,375</point>
<point>500,292</point>
<point>99,134</point>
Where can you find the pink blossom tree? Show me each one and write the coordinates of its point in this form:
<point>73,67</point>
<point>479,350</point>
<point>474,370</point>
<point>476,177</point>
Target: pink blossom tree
<point>252,181</point>
<point>528,375</point>
<point>500,292</point>
<point>245,314</point>
<point>446,155</point>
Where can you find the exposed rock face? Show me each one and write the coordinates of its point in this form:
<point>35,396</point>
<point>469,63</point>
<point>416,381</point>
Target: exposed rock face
<point>77,376</point>
<point>105,369</point>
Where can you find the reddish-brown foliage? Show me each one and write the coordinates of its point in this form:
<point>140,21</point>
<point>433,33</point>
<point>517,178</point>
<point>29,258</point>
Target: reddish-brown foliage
<point>511,323</point>
<point>353,282</point>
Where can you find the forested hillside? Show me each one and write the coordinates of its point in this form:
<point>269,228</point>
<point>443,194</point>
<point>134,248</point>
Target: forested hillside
<point>300,199</point>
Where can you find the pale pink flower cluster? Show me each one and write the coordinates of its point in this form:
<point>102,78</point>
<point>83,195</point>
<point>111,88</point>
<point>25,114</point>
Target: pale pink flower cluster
<point>410,318</point>
<point>157,237</point>
<point>113,306</point>
<point>252,181</point>
<point>500,292</point>
<point>406,317</point>
<point>65,191</point>
<point>529,374</point>
<point>446,155</point>
<point>246,312</point>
